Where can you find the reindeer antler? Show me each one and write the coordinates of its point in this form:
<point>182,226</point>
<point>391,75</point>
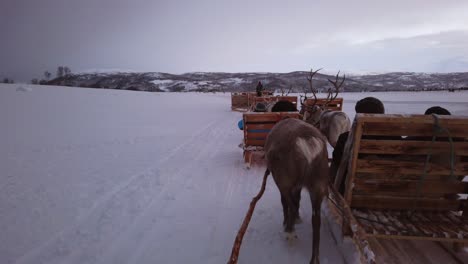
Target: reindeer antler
<point>314,91</point>
<point>337,86</point>
<point>290,88</point>
<point>282,91</point>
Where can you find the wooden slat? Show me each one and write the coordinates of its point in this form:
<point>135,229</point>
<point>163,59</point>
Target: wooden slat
<point>251,135</point>
<point>410,147</point>
<point>358,234</point>
<point>389,226</point>
<point>417,225</point>
<point>248,127</point>
<point>336,105</point>
<point>292,99</point>
<point>444,120</point>
<point>421,222</point>
<point>397,203</point>
<point>408,167</point>
<point>444,225</point>
<point>430,238</point>
<point>455,221</point>
<point>264,99</point>
<point>411,129</point>
<point>334,108</point>
<point>356,137</point>
<point>431,224</point>
<point>253,142</point>
<point>408,188</point>
<point>424,229</point>
<point>395,223</point>
<point>391,175</point>
<point>255,117</point>
<point>239,101</point>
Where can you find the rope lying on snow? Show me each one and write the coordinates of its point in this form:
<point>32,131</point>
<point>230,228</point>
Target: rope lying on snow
<point>240,234</point>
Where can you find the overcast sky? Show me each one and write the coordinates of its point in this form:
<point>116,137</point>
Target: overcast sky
<point>232,36</point>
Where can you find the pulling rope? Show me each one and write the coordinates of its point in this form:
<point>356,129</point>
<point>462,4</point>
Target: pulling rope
<point>240,234</point>
<point>436,130</point>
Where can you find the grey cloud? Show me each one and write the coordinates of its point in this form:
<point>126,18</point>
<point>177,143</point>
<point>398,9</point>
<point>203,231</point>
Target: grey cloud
<point>207,35</point>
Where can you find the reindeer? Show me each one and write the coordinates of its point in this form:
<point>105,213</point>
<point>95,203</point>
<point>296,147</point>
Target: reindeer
<point>282,105</point>
<point>331,123</point>
<point>296,155</point>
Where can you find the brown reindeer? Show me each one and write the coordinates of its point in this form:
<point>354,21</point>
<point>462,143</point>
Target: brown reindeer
<point>331,123</point>
<point>296,155</point>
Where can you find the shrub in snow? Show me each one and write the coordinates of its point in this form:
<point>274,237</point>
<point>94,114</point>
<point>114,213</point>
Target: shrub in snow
<point>23,89</point>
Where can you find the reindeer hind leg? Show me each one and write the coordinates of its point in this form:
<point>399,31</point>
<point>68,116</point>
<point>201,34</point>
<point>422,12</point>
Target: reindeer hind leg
<point>285,210</point>
<point>316,222</point>
<point>297,203</point>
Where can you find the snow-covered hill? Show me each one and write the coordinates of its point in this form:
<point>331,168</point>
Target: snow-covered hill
<point>107,176</point>
<point>232,82</point>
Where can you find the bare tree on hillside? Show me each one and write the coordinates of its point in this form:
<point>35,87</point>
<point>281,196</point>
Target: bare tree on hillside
<point>47,75</point>
<point>66,71</point>
<point>59,71</point>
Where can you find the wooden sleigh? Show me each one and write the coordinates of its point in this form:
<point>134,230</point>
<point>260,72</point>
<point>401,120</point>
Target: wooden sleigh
<point>270,99</point>
<point>334,105</point>
<point>242,102</point>
<point>401,183</point>
<point>256,128</point>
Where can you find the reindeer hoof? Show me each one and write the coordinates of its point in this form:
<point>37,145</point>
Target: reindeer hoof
<point>291,236</point>
<point>315,261</point>
<point>298,220</point>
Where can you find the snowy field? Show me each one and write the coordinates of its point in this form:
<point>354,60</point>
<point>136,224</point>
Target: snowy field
<point>107,176</point>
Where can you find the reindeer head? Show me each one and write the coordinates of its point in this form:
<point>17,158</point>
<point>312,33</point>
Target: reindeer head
<point>283,92</point>
<point>311,111</point>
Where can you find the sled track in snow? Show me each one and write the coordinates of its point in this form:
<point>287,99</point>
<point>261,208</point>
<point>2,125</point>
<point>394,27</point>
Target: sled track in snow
<point>57,248</point>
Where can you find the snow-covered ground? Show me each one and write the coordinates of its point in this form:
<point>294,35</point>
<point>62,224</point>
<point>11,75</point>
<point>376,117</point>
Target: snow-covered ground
<point>107,176</point>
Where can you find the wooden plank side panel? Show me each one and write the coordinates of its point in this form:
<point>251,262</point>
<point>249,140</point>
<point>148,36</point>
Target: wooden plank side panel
<point>239,102</point>
<point>336,105</point>
<point>411,147</point>
<point>264,99</point>
<point>391,175</point>
<point>251,135</point>
<point>292,99</point>
<point>268,117</point>
<point>334,108</point>
<point>401,203</point>
<point>254,142</point>
<point>412,129</point>
<point>408,188</point>
<point>353,149</point>
<point>258,127</point>
<point>444,120</point>
<point>429,238</point>
<point>408,167</point>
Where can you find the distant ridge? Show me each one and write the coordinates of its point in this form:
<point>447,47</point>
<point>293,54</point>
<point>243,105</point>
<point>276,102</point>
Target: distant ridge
<point>237,82</point>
